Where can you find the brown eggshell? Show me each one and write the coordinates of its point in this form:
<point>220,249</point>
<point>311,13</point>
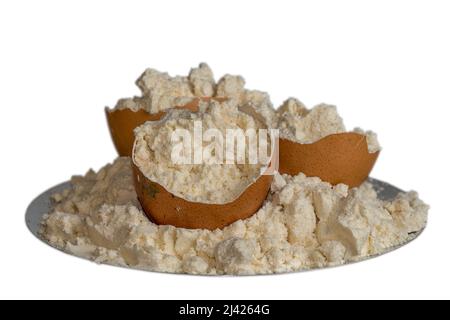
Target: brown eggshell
<point>164,208</point>
<point>338,158</point>
<point>122,123</point>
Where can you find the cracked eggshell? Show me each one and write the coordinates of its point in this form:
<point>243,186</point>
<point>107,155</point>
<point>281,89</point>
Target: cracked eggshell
<point>164,208</point>
<point>337,158</point>
<point>122,123</point>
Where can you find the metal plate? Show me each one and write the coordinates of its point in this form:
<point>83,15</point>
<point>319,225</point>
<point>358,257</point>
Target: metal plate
<point>42,205</point>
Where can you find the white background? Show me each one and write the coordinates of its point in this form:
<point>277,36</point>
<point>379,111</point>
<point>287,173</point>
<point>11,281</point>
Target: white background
<point>385,64</point>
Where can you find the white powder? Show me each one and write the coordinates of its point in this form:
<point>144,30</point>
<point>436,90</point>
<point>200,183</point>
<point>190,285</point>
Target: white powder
<point>217,182</point>
<point>302,125</point>
<point>202,81</point>
<point>305,223</point>
<point>299,124</point>
<point>161,92</point>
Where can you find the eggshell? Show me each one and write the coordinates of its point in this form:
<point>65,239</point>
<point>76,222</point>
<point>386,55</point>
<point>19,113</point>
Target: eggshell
<point>121,125</point>
<point>164,208</point>
<point>338,158</point>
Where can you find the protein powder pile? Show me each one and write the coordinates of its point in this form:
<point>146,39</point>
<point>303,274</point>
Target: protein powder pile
<point>161,92</point>
<point>305,223</point>
<point>212,180</point>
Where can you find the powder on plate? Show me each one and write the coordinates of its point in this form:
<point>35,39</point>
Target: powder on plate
<point>305,223</point>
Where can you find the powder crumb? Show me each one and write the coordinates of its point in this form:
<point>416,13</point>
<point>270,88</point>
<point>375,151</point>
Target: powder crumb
<point>334,251</point>
<point>158,84</point>
<point>301,125</point>
<point>231,86</point>
<point>305,224</point>
<point>195,265</point>
<point>236,255</point>
<point>202,81</point>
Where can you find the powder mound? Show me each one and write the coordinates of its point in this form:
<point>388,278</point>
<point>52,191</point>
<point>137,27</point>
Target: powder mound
<point>299,124</point>
<point>305,223</point>
<point>161,92</point>
<point>171,163</point>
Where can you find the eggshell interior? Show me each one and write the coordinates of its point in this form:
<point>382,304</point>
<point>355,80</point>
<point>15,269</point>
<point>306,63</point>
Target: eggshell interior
<point>338,158</point>
<point>164,208</point>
